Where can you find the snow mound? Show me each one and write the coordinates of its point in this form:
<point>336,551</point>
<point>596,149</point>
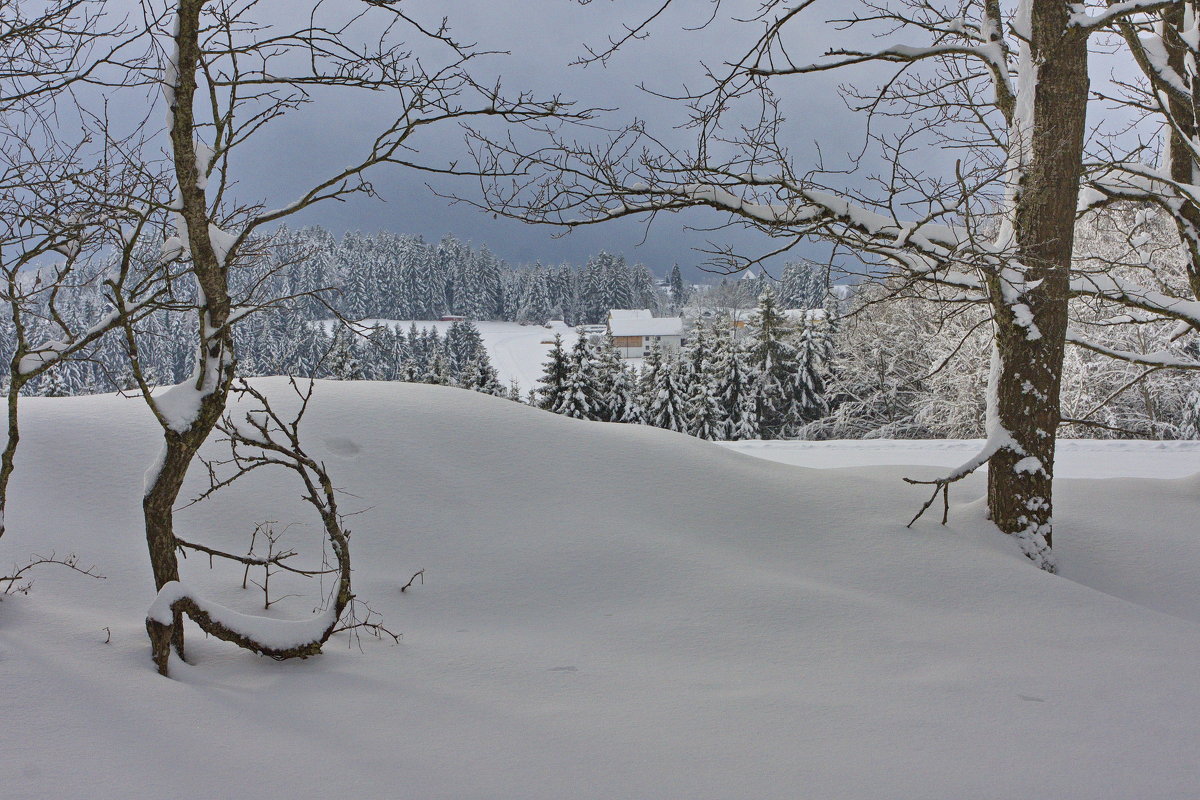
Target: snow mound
<point>608,611</point>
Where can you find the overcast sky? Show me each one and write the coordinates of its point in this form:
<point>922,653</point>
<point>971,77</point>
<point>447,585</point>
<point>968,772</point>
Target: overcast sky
<point>544,36</point>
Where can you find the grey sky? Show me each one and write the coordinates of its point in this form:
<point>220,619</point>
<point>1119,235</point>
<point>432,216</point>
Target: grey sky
<point>544,36</point>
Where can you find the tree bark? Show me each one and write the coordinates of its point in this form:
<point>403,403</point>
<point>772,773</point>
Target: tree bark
<point>1030,345</point>
<point>215,356</point>
<point>1184,135</point>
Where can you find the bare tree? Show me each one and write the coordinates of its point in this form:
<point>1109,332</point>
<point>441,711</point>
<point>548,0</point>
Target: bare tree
<point>47,47</point>
<point>1155,174</point>
<point>1005,93</point>
<point>63,197</point>
<point>226,77</point>
<point>262,437</point>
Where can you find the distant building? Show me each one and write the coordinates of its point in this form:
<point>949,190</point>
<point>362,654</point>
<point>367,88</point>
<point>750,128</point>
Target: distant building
<point>634,330</point>
<point>594,333</point>
<point>630,313</point>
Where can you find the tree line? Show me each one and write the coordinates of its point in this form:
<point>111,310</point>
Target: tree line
<point>888,366</point>
<point>761,383</point>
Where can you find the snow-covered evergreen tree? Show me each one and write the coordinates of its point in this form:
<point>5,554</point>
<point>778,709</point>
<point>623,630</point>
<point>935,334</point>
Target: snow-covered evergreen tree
<point>809,383</point>
<point>579,396</point>
<point>668,404</point>
<point>342,363</point>
<point>735,388</point>
<point>554,377</point>
<point>536,304</point>
<point>773,360</point>
<point>704,412</point>
<point>677,287</point>
<point>652,362</point>
<point>624,405</point>
<point>608,373</point>
<point>438,371</point>
<point>481,376</point>
<point>463,344</point>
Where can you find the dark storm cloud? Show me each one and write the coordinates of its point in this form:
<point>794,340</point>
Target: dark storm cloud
<point>543,37</point>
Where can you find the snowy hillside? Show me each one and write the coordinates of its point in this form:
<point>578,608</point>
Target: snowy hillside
<point>607,612</point>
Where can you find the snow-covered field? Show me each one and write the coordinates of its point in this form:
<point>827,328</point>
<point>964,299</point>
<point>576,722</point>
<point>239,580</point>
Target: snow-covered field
<point>517,351</point>
<point>1075,458</point>
<point>608,612</point>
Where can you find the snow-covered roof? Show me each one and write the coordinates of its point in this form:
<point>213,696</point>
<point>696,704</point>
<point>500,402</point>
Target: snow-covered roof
<point>630,313</point>
<point>642,326</point>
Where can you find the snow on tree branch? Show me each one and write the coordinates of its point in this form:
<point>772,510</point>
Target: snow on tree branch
<point>1080,18</point>
<point>276,638</point>
<point>1160,358</point>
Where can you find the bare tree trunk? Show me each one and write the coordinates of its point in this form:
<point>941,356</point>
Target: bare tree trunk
<point>324,57</point>
<point>1031,326</point>
<point>215,365</point>
<point>9,456</point>
<point>1184,135</point>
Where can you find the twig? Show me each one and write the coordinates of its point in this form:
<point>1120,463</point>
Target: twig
<point>990,448</point>
<point>70,561</point>
<point>418,574</point>
<point>371,622</point>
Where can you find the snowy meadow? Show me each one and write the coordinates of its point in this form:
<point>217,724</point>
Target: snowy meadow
<point>850,447</point>
<point>608,611</point>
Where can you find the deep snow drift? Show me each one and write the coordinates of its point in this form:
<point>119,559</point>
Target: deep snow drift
<point>608,611</point>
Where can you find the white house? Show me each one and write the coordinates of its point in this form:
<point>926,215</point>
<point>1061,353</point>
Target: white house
<point>634,330</point>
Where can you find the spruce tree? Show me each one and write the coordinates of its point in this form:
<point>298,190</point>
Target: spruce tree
<point>667,408</point>
<point>617,290</point>
<point>481,376</point>
<point>809,385</point>
<point>56,383</point>
<point>705,417</point>
<point>624,405</point>
<point>678,290</point>
<point>578,398</point>
<point>794,286</point>
<point>343,363</point>
<point>652,362</point>
<point>554,377</point>
<point>438,371</point>
<point>735,390</point>
<point>464,344</point>
<point>536,303</point>
<point>608,372</point>
<point>773,361</point>
<point>645,293</point>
